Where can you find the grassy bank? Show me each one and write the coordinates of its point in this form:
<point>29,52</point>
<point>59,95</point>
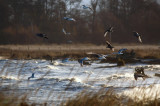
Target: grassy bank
<point>74,51</point>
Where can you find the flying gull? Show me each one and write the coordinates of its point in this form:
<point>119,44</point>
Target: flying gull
<point>120,51</point>
<point>109,30</point>
<point>65,60</point>
<point>99,56</point>
<point>66,33</point>
<point>42,35</point>
<point>83,59</point>
<point>109,46</point>
<point>136,34</point>
<point>69,19</point>
<point>87,7</point>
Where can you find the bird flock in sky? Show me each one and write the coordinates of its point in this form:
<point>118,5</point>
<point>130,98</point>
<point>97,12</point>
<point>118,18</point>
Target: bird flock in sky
<point>107,32</point>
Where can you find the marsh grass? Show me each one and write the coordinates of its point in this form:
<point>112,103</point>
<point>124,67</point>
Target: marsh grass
<point>148,53</point>
<point>109,98</point>
<point>74,51</point>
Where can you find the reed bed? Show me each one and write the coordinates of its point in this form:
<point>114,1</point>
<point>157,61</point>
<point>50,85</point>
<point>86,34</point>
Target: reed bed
<point>76,51</point>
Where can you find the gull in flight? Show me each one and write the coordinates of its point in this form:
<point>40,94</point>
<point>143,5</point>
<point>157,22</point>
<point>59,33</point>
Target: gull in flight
<point>136,34</point>
<point>109,30</point>
<point>120,51</point>
<point>65,60</point>
<point>66,33</point>
<point>42,35</point>
<point>32,76</point>
<point>83,59</point>
<point>69,19</point>
<point>99,56</point>
<point>87,7</point>
<point>109,46</point>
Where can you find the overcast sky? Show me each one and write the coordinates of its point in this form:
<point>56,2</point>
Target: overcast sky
<point>85,1</point>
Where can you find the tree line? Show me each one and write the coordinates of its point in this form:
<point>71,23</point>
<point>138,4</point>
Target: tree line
<point>22,19</point>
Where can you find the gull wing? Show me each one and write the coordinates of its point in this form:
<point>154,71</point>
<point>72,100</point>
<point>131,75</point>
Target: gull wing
<point>105,34</point>
<point>64,31</point>
<point>139,39</point>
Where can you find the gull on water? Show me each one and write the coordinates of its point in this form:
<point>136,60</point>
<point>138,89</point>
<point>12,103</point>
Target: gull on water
<point>69,19</point>
<point>87,7</point>
<point>83,59</point>
<point>32,76</point>
<point>109,30</point>
<point>109,46</point>
<point>42,35</point>
<point>136,34</point>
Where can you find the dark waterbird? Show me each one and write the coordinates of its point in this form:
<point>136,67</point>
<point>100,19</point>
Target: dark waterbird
<point>109,30</point>
<point>136,34</point>
<point>109,46</point>
<point>139,72</point>
<point>42,35</point>
<point>32,76</point>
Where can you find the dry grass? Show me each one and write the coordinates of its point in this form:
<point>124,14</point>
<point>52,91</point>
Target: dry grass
<point>75,51</point>
<point>107,98</point>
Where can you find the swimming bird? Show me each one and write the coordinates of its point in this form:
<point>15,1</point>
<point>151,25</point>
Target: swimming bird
<point>136,34</point>
<point>69,19</point>
<point>65,60</point>
<point>66,33</point>
<point>87,7</point>
<point>83,59</point>
<point>120,51</point>
<point>139,72</point>
<point>109,46</point>
<point>42,35</point>
<point>109,30</point>
<point>32,76</point>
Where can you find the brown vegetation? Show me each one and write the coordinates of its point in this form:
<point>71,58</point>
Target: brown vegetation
<point>109,98</point>
<point>75,51</point>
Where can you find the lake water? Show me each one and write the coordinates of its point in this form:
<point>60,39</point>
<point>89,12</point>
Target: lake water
<point>56,82</point>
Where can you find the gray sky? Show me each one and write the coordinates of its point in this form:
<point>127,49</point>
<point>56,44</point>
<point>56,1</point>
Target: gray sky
<point>85,1</point>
